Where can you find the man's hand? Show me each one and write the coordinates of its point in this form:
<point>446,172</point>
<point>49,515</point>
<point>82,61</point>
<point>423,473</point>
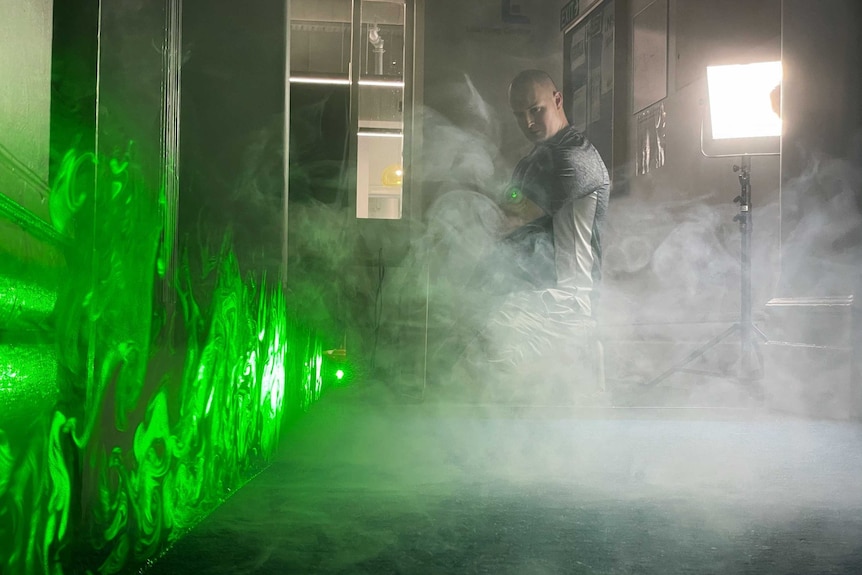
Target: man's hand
<point>519,209</point>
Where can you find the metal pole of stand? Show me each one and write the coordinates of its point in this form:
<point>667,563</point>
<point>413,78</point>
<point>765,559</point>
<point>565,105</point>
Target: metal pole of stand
<point>744,219</point>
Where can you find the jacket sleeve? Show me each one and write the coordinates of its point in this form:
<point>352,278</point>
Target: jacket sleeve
<point>578,170</point>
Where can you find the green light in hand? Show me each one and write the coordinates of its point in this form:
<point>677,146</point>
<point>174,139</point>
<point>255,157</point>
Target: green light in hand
<point>514,196</point>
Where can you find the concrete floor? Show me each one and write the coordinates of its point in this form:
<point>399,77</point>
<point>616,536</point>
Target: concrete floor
<point>429,488</point>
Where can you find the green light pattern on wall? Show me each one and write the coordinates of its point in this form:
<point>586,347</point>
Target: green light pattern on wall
<point>35,495</point>
<point>25,299</point>
<point>152,421</point>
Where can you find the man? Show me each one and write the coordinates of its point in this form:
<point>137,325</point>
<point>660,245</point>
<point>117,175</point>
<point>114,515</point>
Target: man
<point>562,184</point>
<point>533,298</point>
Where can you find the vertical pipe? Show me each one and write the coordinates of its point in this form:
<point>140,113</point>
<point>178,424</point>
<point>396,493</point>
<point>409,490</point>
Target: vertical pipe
<point>376,41</point>
<point>170,149</point>
<point>357,38</point>
<point>286,166</point>
<point>407,95</point>
<point>378,59</point>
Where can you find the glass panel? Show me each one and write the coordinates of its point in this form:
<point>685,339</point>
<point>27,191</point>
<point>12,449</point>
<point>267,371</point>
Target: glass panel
<point>320,38</point>
<point>380,106</point>
<point>382,55</point>
<point>379,175</point>
<point>381,96</point>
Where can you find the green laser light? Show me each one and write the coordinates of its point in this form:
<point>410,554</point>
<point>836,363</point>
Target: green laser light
<point>339,374</point>
<point>514,195</point>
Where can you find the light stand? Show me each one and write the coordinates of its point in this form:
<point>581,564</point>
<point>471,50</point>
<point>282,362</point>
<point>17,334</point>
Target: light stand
<point>742,107</point>
<point>749,334</point>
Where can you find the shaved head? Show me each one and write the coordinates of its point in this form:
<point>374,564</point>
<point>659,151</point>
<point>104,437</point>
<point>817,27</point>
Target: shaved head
<point>529,78</point>
<point>537,105</point>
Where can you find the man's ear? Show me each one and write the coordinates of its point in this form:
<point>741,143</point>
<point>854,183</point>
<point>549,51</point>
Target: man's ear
<point>558,99</point>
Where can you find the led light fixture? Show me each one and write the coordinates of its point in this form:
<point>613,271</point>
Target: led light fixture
<point>313,80</point>
<point>380,134</point>
<point>382,83</point>
<point>742,100</point>
<point>344,81</point>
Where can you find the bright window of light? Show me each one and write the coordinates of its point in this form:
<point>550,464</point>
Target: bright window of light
<point>741,100</point>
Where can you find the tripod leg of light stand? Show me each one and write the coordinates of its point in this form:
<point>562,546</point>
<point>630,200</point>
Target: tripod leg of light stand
<point>694,355</point>
<point>760,335</point>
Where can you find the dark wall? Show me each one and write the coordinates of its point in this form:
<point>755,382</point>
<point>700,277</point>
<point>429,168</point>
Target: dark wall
<point>232,149</point>
<point>821,148</point>
<point>73,72</point>
<point>319,135</point>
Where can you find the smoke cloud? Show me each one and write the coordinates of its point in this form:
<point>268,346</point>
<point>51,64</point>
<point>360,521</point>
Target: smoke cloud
<point>506,442</point>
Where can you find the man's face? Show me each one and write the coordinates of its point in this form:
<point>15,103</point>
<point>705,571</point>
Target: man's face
<point>538,111</point>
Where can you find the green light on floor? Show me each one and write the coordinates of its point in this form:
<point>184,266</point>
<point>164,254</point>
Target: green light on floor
<point>339,374</point>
